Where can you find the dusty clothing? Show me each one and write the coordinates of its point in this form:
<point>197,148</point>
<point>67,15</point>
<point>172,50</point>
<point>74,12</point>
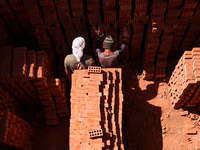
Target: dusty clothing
<point>109,61</point>
<point>71,62</point>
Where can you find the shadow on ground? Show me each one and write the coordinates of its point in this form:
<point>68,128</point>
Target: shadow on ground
<point>141,120</point>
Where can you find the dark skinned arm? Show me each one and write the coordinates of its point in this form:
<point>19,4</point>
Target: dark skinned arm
<point>68,73</point>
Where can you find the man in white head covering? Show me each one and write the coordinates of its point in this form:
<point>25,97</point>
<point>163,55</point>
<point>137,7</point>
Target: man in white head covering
<point>78,60</point>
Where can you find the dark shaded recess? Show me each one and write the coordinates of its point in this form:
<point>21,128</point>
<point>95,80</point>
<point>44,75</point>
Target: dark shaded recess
<point>101,10</point>
<point>85,7</point>
<point>11,33</point>
<point>197,40</point>
<point>55,54</point>
<point>183,37</point>
<point>133,9</point>
<point>195,9</point>
<point>70,8</point>
<point>91,45</point>
<point>28,44</point>
<point>155,60</point>
<point>118,32</point>
<point>131,38</point>
<point>143,41</point>
<point>183,3</point>
<point>149,7</point>
<point>66,41</point>
<point>117,9</point>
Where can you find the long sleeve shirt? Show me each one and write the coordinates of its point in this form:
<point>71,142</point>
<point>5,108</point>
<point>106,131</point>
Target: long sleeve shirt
<point>109,61</point>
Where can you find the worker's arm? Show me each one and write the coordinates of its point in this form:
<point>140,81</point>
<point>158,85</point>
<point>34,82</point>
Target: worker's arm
<point>125,37</point>
<point>123,46</point>
<point>97,46</point>
<point>68,73</point>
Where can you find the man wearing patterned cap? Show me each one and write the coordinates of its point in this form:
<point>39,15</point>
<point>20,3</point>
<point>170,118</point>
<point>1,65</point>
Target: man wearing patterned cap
<point>109,58</point>
<point>77,60</point>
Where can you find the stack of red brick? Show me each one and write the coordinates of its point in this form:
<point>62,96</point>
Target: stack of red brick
<point>140,7</point>
<point>125,9</point>
<point>93,12</point>
<point>153,35</point>
<point>28,76</point>
<point>158,11</point>
<point>150,51</point>
<point>96,109</point>
<point>65,18</point>
<point>189,31</point>
<point>139,20</point>
<point>136,44</point>
<point>109,10</point>
<point>164,30</point>
<point>33,11</point>
<point>15,132</point>
<point>177,29</point>
<point>184,82</point>
<point>9,102</point>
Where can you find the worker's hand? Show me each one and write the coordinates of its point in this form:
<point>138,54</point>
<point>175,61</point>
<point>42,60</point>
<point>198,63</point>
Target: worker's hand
<point>97,31</point>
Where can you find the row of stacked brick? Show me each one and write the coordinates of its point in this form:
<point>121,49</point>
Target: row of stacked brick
<point>152,42</point>
<point>27,75</point>
<point>172,33</point>
<point>125,10</point>
<point>9,102</point>
<point>187,15</point>
<point>96,109</point>
<point>184,82</point>
<point>15,132</point>
<point>93,12</point>
<point>109,10</point>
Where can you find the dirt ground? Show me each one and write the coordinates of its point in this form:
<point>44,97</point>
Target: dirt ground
<point>149,120</point>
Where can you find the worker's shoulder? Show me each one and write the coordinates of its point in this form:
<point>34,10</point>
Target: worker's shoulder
<point>69,57</point>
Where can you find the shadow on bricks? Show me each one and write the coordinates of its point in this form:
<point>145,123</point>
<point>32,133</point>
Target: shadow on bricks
<point>112,134</point>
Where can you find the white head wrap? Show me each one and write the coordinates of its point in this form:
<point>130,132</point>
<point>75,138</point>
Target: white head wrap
<point>78,45</point>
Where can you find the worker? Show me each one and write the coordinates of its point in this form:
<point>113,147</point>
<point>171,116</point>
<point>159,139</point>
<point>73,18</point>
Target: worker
<point>109,58</point>
<point>77,60</point>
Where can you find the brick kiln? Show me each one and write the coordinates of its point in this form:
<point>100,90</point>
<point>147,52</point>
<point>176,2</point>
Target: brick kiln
<point>36,35</point>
